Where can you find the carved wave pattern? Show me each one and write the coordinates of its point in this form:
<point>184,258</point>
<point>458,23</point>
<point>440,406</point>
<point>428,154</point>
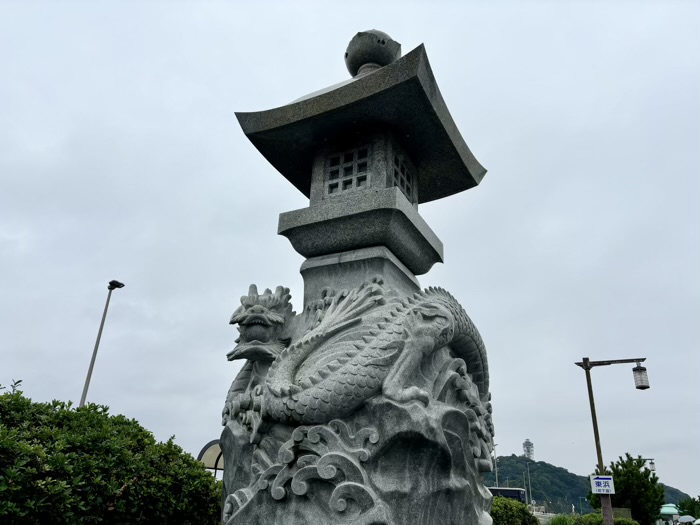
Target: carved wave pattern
<point>454,386</point>
<point>328,453</point>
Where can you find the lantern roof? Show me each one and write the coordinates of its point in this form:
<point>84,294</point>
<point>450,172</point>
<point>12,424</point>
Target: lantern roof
<point>402,96</point>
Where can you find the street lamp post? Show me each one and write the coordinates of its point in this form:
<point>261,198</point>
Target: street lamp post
<point>529,481</point>
<point>641,382</point>
<point>495,462</point>
<point>112,285</point>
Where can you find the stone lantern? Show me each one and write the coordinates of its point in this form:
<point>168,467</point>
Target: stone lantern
<point>372,405</point>
<point>367,152</point>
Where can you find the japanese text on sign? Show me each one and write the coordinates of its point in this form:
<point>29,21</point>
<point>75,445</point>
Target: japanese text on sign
<point>602,485</point>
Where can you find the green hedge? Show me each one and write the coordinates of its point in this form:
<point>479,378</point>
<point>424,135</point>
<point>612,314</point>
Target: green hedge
<point>510,512</point>
<point>587,519</point>
<point>60,465</point>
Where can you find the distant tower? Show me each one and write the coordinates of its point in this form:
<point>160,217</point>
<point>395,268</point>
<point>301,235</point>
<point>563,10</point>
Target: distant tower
<point>529,450</point>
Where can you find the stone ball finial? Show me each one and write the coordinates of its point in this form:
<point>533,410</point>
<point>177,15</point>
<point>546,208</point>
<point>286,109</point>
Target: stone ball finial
<point>370,50</point>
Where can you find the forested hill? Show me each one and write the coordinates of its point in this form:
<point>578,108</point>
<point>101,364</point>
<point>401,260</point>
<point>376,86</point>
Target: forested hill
<point>554,487</point>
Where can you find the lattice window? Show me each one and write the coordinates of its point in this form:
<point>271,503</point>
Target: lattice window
<point>347,171</point>
<point>403,178</point>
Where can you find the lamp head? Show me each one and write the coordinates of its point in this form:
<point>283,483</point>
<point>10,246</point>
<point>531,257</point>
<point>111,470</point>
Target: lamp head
<point>114,284</point>
<point>641,379</point>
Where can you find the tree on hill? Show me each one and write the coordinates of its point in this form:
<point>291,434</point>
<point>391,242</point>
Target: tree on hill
<point>60,465</point>
<point>636,488</point>
<point>672,495</point>
<point>690,506</point>
<point>554,487</point>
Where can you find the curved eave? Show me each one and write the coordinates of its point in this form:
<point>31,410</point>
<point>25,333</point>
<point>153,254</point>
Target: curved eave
<point>403,96</point>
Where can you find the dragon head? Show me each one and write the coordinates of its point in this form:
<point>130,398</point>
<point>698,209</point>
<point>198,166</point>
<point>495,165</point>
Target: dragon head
<point>432,322</point>
<point>261,320</point>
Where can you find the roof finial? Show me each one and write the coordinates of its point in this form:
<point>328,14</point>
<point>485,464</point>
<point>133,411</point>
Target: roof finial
<point>370,50</point>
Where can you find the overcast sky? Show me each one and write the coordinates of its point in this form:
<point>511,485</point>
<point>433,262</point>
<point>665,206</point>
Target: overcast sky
<point>121,158</point>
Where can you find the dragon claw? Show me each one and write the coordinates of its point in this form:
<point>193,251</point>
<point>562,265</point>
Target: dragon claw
<point>408,395</point>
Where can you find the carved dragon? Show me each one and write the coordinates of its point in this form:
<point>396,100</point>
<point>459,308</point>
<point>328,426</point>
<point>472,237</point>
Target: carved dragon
<point>365,346</point>
<point>261,320</point>
<point>362,345</point>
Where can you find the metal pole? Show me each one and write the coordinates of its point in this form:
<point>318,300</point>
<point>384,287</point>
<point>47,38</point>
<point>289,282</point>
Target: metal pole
<point>529,481</point>
<point>495,462</point>
<point>94,352</point>
<point>525,487</point>
<point>605,499</point>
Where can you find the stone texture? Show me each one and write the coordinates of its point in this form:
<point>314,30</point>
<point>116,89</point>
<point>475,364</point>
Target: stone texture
<point>403,95</point>
<point>379,150</point>
<point>360,220</point>
<point>370,407</point>
<point>371,48</point>
<point>346,270</point>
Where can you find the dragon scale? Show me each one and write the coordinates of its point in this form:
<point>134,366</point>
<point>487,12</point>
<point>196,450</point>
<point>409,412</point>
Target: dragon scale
<point>367,352</point>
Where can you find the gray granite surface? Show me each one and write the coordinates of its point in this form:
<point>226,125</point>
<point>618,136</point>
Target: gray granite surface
<point>370,406</point>
<point>370,50</point>
<point>347,270</point>
<point>364,219</point>
<point>403,95</point>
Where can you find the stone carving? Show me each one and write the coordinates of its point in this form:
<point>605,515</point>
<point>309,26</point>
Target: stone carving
<point>372,405</point>
<point>370,50</point>
<point>261,321</point>
<point>369,407</point>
